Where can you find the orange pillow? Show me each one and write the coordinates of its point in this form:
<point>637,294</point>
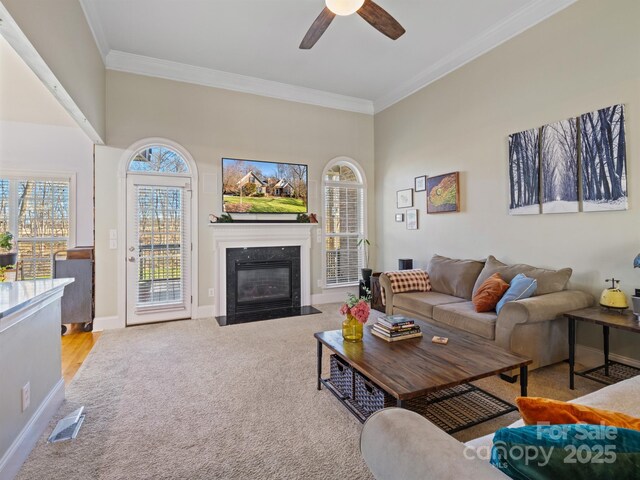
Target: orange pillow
<point>554,412</point>
<point>489,293</point>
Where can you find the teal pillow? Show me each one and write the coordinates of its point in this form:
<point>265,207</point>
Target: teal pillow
<point>576,452</point>
<point>520,287</point>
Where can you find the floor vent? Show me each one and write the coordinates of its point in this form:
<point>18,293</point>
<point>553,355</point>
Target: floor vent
<point>68,427</point>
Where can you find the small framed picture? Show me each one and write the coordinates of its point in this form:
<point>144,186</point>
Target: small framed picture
<point>412,219</point>
<point>404,198</point>
<point>420,183</point>
<point>399,217</point>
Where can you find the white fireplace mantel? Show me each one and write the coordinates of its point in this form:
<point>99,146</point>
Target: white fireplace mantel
<point>249,235</point>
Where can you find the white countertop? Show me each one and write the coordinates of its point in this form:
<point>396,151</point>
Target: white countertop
<point>17,295</point>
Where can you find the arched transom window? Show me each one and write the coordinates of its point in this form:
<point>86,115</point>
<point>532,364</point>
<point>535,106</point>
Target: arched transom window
<point>344,213</point>
<point>158,159</point>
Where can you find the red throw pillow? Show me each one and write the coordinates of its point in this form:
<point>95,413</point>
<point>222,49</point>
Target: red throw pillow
<point>489,293</point>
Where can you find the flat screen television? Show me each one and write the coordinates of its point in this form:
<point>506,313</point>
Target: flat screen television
<point>253,186</point>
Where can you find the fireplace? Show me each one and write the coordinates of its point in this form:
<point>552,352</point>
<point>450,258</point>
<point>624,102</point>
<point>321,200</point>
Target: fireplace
<point>262,279</point>
<point>251,264</point>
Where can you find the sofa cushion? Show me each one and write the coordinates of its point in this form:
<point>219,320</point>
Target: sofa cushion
<point>407,281</point>
<point>489,294</point>
<point>464,317</point>
<point>567,451</point>
<point>422,302</point>
<point>537,410</point>
<point>454,277</point>
<point>521,287</point>
<point>549,281</point>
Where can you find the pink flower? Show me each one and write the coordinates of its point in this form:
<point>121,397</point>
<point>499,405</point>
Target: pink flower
<point>361,311</point>
<point>344,309</point>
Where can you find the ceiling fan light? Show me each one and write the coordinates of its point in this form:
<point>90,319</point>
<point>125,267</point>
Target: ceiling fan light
<point>344,7</point>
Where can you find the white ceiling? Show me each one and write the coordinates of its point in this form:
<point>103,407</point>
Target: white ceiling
<point>252,45</point>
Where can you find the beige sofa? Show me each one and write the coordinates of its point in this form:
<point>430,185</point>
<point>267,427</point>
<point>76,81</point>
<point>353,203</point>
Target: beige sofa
<point>400,444</point>
<point>532,327</point>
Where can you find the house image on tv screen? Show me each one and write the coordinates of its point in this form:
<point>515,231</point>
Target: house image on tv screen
<point>251,186</point>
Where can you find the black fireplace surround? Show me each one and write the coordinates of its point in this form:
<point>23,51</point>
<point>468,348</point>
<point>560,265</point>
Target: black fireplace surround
<point>262,279</point>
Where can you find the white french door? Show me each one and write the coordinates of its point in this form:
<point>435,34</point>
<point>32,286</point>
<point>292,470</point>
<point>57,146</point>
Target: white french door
<point>158,248</point>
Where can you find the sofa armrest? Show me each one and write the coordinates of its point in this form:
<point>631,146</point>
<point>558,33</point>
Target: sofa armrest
<point>400,444</point>
<point>385,285</point>
<point>542,308</point>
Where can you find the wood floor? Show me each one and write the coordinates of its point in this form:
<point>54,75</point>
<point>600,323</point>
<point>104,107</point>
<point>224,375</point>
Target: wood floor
<point>76,345</point>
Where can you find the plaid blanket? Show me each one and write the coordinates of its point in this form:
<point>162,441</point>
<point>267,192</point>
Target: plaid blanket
<point>407,281</point>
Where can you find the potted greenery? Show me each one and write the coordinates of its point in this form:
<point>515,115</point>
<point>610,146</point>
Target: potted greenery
<point>7,255</point>
<point>366,271</point>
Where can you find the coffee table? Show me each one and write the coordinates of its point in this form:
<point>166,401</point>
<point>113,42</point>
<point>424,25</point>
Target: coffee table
<point>414,369</point>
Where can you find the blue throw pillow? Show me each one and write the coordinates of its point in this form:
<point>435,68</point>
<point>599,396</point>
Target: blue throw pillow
<point>580,451</point>
<point>520,287</point>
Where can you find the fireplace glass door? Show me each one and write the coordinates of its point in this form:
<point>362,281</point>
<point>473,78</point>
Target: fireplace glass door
<point>262,285</point>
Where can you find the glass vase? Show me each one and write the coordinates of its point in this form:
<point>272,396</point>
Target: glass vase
<point>352,329</point>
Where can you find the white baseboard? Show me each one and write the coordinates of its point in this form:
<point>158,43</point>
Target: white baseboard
<point>591,357</point>
<point>107,323</point>
<point>21,447</point>
<point>203,311</point>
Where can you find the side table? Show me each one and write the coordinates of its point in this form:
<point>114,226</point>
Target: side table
<point>376,295</point>
<point>611,371</point>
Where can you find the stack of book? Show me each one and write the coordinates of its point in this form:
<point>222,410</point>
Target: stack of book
<point>393,328</point>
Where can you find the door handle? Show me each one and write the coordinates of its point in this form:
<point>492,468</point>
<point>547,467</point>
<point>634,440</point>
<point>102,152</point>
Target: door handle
<point>132,258</point>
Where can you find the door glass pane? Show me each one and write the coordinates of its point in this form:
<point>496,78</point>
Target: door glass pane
<point>160,231</point>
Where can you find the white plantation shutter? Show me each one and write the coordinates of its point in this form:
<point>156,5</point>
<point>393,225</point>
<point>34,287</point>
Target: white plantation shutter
<point>162,250</point>
<point>344,226</point>
<point>36,211</point>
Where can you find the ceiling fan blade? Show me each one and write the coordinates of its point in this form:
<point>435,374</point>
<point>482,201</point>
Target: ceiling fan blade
<point>317,28</point>
<point>381,20</point>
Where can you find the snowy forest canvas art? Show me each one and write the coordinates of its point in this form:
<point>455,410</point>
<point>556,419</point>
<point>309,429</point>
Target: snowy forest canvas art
<point>604,160</point>
<point>572,165</point>
<point>524,172</point>
<point>559,160</point>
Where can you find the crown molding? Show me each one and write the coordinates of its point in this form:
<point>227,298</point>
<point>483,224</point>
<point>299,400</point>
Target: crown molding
<point>510,27</point>
<point>95,25</point>
<point>155,67</point>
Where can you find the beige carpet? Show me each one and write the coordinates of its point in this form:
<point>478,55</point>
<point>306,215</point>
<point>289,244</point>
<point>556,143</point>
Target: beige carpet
<point>192,400</point>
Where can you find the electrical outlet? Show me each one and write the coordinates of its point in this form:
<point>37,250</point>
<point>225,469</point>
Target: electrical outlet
<point>319,283</point>
<point>113,244</point>
<point>113,234</point>
<point>26,396</point>
<point>212,292</point>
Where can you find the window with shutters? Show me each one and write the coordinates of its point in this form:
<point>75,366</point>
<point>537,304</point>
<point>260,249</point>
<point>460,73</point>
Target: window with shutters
<point>36,211</point>
<point>344,214</point>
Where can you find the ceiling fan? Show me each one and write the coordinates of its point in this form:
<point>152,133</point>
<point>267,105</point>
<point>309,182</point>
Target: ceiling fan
<point>377,17</point>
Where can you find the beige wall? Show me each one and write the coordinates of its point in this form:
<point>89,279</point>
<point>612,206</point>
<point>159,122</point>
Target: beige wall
<point>59,32</point>
<point>212,123</point>
<point>584,58</point>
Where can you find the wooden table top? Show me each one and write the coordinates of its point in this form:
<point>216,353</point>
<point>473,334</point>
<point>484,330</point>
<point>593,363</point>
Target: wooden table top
<point>625,320</point>
<point>415,367</point>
